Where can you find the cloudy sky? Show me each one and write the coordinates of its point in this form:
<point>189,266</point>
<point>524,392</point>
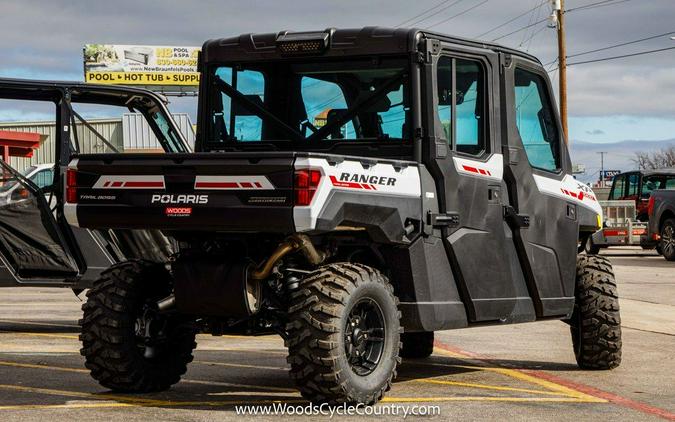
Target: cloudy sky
<point>628,99</point>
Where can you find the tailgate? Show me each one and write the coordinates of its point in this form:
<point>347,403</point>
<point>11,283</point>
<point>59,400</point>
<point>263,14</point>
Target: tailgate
<point>210,191</point>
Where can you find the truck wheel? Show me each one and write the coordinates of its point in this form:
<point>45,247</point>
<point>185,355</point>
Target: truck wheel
<point>596,323</point>
<point>591,248</point>
<point>417,345</point>
<point>668,239</point>
<point>343,335</point>
<point>126,345</point>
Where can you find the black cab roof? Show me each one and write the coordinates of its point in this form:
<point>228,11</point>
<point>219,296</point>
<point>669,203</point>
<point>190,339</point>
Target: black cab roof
<point>367,41</point>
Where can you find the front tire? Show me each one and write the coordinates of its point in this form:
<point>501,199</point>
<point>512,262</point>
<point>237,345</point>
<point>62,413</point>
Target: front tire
<point>127,347</point>
<point>667,242</point>
<point>343,335</point>
<point>418,345</point>
<point>596,323</point>
<point>591,248</point>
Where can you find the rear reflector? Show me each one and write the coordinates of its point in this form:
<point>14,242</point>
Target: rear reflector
<point>71,195</point>
<point>306,183</point>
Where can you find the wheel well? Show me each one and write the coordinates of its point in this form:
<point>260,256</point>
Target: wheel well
<point>665,216</point>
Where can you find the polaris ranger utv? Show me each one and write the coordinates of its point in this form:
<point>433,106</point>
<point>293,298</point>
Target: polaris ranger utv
<point>353,191</point>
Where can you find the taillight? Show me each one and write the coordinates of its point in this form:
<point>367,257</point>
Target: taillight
<point>71,186</point>
<point>650,206</point>
<point>306,183</point>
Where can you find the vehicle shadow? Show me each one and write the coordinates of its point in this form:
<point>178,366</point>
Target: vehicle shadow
<point>51,327</point>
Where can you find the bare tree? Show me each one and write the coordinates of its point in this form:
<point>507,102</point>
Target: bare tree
<point>655,160</point>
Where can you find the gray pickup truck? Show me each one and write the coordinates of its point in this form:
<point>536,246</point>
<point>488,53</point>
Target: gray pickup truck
<point>661,210</point>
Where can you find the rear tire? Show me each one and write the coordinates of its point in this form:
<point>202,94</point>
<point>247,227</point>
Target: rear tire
<point>667,242</point>
<point>342,317</point>
<point>417,345</point>
<point>596,324</point>
<point>117,309</point>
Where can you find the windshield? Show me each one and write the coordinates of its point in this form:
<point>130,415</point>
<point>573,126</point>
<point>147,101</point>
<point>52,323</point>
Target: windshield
<point>315,104</point>
<point>650,183</point>
<point>8,180</point>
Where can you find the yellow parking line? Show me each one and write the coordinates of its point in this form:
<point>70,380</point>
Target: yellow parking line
<point>234,349</point>
<point>519,375</point>
<point>538,381</point>
<point>204,382</point>
<point>64,406</point>
<point>79,394</point>
<point>36,366</point>
<point>36,323</point>
<point>133,401</point>
<point>485,398</point>
<point>482,386</point>
<point>241,365</point>
<point>24,333</point>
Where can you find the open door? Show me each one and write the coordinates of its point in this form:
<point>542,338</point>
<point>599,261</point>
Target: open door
<point>32,246</point>
<point>37,245</point>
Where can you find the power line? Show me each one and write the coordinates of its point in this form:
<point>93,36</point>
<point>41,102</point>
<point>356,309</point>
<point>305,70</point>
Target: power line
<point>423,13</point>
<point>456,2</point>
<point>511,20</point>
<point>520,29</point>
<point>623,56</point>
<point>596,5</point>
<point>458,14</point>
<point>622,44</point>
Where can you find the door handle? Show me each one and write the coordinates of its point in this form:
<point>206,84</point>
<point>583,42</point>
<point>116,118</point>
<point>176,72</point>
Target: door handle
<point>515,220</point>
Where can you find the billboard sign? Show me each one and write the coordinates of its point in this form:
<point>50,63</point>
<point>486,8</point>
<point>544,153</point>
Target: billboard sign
<point>608,175</point>
<point>141,65</point>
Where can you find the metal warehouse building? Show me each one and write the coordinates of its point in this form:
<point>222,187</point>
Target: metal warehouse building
<point>130,133</point>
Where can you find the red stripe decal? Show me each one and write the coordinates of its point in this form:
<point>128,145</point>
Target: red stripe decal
<point>116,184</point>
<point>246,184</point>
<point>374,187</point>
<point>340,184</point>
<point>143,184</point>
<point>217,185</point>
<point>105,185</point>
<point>365,186</point>
<point>258,185</point>
<point>469,168</point>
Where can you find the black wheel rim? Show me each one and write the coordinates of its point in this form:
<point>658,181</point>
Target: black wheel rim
<point>364,336</point>
<point>668,240</point>
<point>150,333</point>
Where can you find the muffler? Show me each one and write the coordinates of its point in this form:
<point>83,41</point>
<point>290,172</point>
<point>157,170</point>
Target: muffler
<point>210,286</point>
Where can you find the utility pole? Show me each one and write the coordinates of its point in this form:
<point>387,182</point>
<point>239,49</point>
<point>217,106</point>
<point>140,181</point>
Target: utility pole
<point>559,10</point>
<point>602,168</point>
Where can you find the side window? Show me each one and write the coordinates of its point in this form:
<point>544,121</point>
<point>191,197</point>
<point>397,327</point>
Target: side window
<point>618,187</point>
<point>461,104</point>
<point>240,123</point>
<point>536,122</point>
<point>670,183</point>
<point>633,184</point>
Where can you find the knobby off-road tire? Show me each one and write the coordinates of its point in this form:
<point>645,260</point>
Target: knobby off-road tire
<point>596,323</point>
<point>417,345</point>
<point>667,243</point>
<point>113,352</point>
<point>331,319</point>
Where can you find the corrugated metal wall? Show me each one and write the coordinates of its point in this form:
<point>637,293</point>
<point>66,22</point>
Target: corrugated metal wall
<point>131,132</point>
<point>138,135</point>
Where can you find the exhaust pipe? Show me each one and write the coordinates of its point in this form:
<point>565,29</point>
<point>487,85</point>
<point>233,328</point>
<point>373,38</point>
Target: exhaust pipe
<point>296,242</point>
